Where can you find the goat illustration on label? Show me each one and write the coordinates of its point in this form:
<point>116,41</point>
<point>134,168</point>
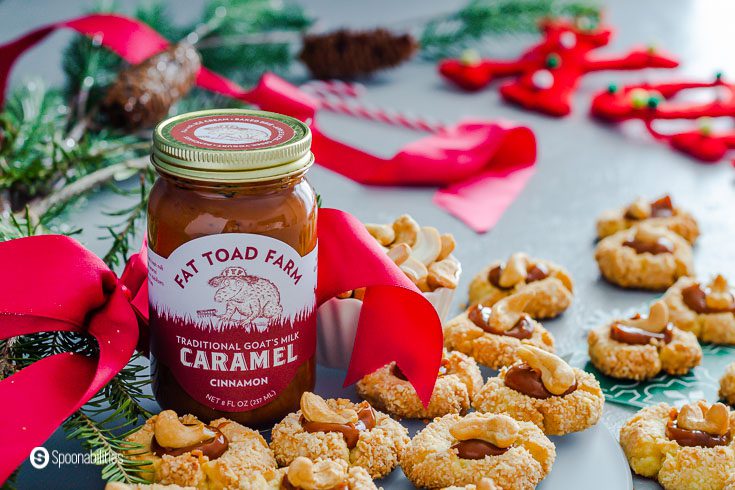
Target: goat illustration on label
<point>251,302</point>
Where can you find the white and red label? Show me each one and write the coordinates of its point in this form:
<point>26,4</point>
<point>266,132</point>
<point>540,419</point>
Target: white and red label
<point>233,316</point>
<point>232,132</point>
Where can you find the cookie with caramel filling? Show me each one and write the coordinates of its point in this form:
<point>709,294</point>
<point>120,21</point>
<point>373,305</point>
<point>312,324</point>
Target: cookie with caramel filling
<point>388,389</point>
<point>186,452</point>
<point>463,451</point>
<point>640,348</point>
<point>493,335</point>
<point>340,429</point>
<point>551,284</point>
<point>644,257</point>
<point>691,447</point>
<point>705,309</point>
<point>544,390</point>
<point>660,212</point>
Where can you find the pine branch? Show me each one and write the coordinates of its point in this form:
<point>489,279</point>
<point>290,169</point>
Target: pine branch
<point>83,185</point>
<point>449,35</point>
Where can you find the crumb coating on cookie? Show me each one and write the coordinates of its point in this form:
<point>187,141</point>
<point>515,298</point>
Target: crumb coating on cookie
<point>638,361</point>
<point>556,415</point>
<point>494,351</point>
<point>717,328</point>
<point>429,461</point>
<point>452,393</point>
<point>625,267</point>
<point>727,384</point>
<point>377,449</point>
<point>247,452</point>
<point>652,454</point>
<point>682,223</point>
<point>553,294</point>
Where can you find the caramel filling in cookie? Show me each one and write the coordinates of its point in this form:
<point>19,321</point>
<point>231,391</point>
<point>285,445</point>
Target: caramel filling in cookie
<point>350,431</point>
<point>527,380</point>
<point>695,297</point>
<point>660,208</point>
<point>212,448</point>
<point>661,245</point>
<point>687,437</point>
<point>443,370</point>
<point>536,272</point>
<point>480,316</point>
<point>637,336</point>
<point>477,449</point>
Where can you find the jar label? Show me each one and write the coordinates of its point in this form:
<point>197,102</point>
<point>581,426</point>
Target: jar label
<point>232,132</point>
<point>233,316</point>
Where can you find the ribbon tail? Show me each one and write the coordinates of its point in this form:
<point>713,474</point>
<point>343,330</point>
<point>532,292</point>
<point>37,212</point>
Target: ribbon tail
<point>397,323</point>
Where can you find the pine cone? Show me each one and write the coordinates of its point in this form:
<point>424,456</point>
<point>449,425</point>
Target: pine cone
<point>348,54</point>
<point>143,94</point>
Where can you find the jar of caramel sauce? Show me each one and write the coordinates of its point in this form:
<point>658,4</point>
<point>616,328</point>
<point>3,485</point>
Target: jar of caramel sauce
<point>232,265</point>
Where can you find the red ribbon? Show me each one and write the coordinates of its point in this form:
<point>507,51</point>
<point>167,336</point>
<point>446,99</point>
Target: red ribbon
<point>58,285</point>
<point>478,161</point>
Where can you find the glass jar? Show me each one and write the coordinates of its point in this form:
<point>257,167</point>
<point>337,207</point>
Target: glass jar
<point>232,265</point>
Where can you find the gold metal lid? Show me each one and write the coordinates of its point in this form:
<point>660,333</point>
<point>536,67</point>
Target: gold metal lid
<point>231,145</point>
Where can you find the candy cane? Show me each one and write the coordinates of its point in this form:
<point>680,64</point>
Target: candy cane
<point>343,98</point>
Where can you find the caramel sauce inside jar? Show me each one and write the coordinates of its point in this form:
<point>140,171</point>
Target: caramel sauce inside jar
<point>212,448</point>
<point>692,438</point>
<point>696,300</point>
<point>536,272</point>
<point>527,380</point>
<point>661,246</point>
<point>480,316</point>
<point>637,336</point>
<point>182,210</point>
<point>351,432</point>
<point>477,449</point>
<point>443,370</point>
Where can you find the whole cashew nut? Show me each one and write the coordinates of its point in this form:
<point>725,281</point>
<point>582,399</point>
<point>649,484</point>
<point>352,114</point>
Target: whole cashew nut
<point>515,270</point>
<point>499,430</point>
<point>507,311</point>
<point>322,475</point>
<point>556,375</point>
<point>713,419</point>
<point>656,321</point>
<point>647,233</point>
<point>315,409</point>
<point>428,245</point>
<point>639,209</point>
<point>172,433</point>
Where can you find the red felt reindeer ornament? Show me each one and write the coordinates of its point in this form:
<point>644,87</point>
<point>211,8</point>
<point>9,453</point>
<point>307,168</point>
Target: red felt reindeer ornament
<point>651,101</point>
<point>548,73</point>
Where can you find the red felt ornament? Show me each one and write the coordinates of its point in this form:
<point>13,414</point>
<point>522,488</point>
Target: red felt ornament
<point>649,102</point>
<point>548,73</point>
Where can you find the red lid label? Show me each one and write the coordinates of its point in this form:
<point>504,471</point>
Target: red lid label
<point>232,132</point>
<point>233,316</point>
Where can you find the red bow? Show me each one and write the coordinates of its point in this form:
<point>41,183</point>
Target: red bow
<point>479,161</point>
<point>54,284</point>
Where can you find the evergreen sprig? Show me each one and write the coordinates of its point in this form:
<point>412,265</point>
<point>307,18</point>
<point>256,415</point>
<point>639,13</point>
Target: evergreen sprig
<point>449,35</point>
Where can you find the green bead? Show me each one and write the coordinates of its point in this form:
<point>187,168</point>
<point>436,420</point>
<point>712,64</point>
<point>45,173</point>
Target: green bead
<point>653,102</point>
<point>553,61</point>
<point>612,88</point>
<point>705,125</point>
<point>718,76</point>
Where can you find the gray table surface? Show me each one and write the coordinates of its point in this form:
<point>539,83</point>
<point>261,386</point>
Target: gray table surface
<point>583,166</point>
